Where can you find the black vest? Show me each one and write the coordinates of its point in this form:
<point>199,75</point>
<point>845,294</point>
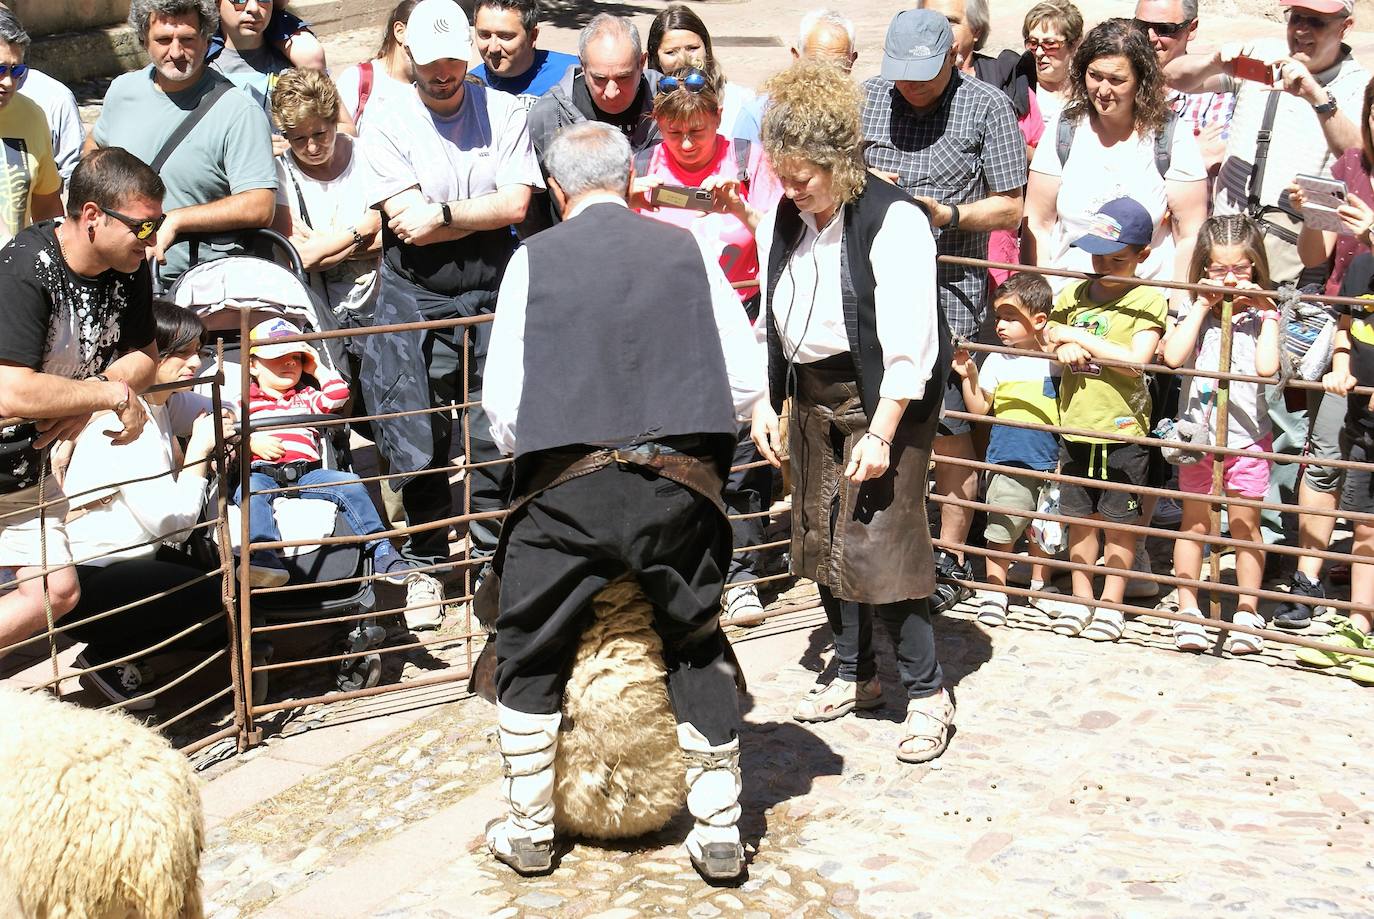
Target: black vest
<point>621,344</point>
<point>863,217</point>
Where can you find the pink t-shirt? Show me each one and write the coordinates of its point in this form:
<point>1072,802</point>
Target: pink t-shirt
<point>1350,170</point>
<point>1005,245</point>
<point>739,253</point>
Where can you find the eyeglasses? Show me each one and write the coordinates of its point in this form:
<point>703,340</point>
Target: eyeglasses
<point>16,70</point>
<point>141,229</point>
<point>1047,45</point>
<point>693,82</point>
<point>1162,29</point>
<point>1311,21</point>
<point>1219,272</point>
<point>240,4</point>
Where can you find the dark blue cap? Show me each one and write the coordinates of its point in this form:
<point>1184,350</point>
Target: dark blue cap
<point>1117,224</point>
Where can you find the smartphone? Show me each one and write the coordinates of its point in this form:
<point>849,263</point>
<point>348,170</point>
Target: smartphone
<point>1254,70</point>
<point>1321,198</point>
<point>693,199</point>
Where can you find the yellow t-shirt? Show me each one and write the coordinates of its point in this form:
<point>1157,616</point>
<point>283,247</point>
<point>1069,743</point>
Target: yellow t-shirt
<point>1104,398</point>
<point>27,167</point>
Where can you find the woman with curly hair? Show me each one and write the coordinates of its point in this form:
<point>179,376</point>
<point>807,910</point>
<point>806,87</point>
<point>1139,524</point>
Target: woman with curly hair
<point>856,340</point>
<point>1116,138</point>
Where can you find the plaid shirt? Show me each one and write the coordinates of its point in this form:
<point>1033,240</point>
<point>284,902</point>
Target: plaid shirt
<point>1202,110</point>
<point>967,149</point>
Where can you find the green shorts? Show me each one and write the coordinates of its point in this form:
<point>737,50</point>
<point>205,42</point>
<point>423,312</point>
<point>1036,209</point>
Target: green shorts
<point>1011,494</point>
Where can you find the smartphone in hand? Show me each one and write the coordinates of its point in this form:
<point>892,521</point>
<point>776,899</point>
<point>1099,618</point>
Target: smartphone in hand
<point>1321,199</point>
<point>1254,70</point>
<point>681,196</point>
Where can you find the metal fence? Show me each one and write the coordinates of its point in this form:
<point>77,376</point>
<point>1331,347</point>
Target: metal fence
<point>239,716</point>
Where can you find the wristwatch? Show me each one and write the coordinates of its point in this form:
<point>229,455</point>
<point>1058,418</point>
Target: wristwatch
<point>448,214</point>
<point>118,406</point>
<point>1328,107</point>
<point>953,217</point>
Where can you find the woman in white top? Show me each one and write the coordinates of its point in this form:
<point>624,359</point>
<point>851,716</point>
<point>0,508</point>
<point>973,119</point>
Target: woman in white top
<point>1116,114</point>
<point>1052,31</point>
<point>856,339</point>
<point>109,524</point>
<point>322,197</point>
<point>678,39</point>
<point>387,74</point>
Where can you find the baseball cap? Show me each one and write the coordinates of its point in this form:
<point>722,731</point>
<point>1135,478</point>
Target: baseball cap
<point>438,29</point>
<point>1323,6</point>
<point>1117,224</point>
<point>269,329</point>
<point>916,45</point>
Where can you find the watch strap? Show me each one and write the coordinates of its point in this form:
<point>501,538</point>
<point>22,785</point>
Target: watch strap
<point>448,214</point>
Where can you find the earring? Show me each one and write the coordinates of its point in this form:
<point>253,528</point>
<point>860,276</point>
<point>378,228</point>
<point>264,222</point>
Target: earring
<point>90,232</point>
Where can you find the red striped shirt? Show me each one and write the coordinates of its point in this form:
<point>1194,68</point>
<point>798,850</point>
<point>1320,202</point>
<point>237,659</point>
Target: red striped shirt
<point>300,443</point>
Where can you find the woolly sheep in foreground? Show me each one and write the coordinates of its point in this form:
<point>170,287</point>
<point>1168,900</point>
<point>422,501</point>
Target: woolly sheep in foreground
<point>99,817</point>
<point>620,772</point>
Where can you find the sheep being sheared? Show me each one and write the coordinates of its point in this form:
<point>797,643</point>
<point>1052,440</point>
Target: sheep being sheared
<point>99,817</point>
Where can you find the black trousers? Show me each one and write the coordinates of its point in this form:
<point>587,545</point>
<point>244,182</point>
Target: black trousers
<point>571,541</point>
<point>747,491</point>
<point>908,625</point>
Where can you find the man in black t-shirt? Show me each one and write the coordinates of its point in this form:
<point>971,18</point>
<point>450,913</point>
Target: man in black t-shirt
<point>76,309</point>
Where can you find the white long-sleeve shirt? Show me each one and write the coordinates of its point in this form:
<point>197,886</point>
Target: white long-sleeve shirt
<point>745,358</point>
<point>809,312</point>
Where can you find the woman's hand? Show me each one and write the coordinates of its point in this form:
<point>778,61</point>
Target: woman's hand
<point>726,195</point>
<point>202,443</point>
<point>1357,217</point>
<point>267,447</point>
<point>640,190</point>
<point>1296,196</point>
<point>766,433</point>
<point>870,458</point>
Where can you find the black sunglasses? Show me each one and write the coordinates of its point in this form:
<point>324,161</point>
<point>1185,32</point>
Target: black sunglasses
<point>1311,20</point>
<point>1162,29</point>
<point>693,82</point>
<point>141,229</point>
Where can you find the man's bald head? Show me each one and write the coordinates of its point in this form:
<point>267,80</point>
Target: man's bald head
<point>826,35</point>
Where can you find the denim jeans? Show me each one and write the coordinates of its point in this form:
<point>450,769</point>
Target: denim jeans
<point>347,493</point>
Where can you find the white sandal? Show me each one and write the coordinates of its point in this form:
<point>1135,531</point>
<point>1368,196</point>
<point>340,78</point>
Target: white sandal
<point>1072,618</point>
<point>1106,625</point>
<point>992,609</point>
<point>837,699</point>
<point>1242,643</point>
<point>925,733</point>
<point>1191,636</point>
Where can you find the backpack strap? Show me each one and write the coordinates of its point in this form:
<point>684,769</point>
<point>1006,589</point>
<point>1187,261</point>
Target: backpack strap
<point>1063,138</point>
<point>1164,145</point>
<point>364,89</point>
<point>743,150</point>
<point>643,157</point>
<point>188,123</point>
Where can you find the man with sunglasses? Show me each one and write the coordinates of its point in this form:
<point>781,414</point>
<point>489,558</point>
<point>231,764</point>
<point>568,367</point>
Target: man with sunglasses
<point>30,185</point>
<point>453,171</point>
<point>1170,25</point>
<point>76,307</point>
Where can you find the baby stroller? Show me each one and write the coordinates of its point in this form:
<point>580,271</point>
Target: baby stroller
<point>216,291</point>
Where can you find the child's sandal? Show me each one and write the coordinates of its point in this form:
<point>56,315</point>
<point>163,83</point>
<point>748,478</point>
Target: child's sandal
<point>1106,625</point>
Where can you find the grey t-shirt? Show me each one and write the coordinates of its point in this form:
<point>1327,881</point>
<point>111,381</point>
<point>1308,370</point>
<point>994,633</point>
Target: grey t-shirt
<point>1248,411</point>
<point>254,71</point>
<point>229,152</point>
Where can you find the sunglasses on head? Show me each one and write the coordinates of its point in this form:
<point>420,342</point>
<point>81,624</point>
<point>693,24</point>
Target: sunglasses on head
<point>693,82</point>
<point>141,229</point>
<point>16,70</point>
<point>1162,29</point>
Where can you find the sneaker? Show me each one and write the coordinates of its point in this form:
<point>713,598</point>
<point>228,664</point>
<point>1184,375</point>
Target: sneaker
<point>426,593</point>
<point>740,601</point>
<point>1168,513</point>
<point>992,608</point>
<point>119,682</point>
<point>1294,614</point>
<point>1141,590</point>
<point>265,569</point>
<point>1344,635</point>
<point>947,596</point>
<point>390,565</point>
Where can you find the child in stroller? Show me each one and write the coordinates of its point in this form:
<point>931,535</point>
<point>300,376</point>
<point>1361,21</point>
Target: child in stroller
<point>290,379</point>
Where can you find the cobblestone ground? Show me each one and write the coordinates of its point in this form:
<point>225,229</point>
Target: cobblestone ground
<point>1084,779</point>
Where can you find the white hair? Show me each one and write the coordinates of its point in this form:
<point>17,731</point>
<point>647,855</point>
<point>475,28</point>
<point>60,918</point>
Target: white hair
<point>589,156</point>
<point>829,17</point>
<point>608,25</point>
<point>976,15</point>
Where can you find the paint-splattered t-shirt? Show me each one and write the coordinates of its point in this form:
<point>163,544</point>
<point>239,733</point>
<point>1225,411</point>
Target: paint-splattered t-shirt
<point>56,321</point>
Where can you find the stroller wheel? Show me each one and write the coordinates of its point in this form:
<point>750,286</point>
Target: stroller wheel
<point>362,672</point>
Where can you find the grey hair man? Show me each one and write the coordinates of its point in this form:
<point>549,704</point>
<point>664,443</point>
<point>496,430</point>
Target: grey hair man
<point>28,173</point>
<point>610,84</point>
<point>590,324</point>
<point>827,35</point>
<point>221,179</point>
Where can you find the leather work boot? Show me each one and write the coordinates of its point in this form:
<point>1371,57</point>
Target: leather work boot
<point>524,840</point>
<point>713,786</point>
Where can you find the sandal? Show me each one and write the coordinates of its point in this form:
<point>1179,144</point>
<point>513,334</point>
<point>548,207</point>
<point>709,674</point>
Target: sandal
<point>1191,636</point>
<point>1072,618</point>
<point>1344,635</point>
<point>992,609</point>
<point>925,733</point>
<point>1107,625</point>
<point>1241,643</point>
<point>1362,671</point>
<point>839,698</point>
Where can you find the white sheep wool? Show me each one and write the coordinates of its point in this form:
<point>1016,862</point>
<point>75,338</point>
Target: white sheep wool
<point>99,817</point>
<point>620,771</point>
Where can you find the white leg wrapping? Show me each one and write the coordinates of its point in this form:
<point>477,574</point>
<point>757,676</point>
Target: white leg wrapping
<point>528,745</point>
<point>713,788</point>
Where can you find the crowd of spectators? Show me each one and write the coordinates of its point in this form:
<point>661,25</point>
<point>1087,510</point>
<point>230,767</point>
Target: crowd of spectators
<point>407,182</point>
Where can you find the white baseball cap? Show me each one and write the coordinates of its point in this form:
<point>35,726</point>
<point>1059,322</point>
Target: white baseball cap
<point>438,29</point>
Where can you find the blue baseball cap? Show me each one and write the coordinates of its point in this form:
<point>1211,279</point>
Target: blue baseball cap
<point>917,43</point>
<point>1119,223</point>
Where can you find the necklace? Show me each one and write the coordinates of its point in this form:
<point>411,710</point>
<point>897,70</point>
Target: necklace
<point>57,235</point>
